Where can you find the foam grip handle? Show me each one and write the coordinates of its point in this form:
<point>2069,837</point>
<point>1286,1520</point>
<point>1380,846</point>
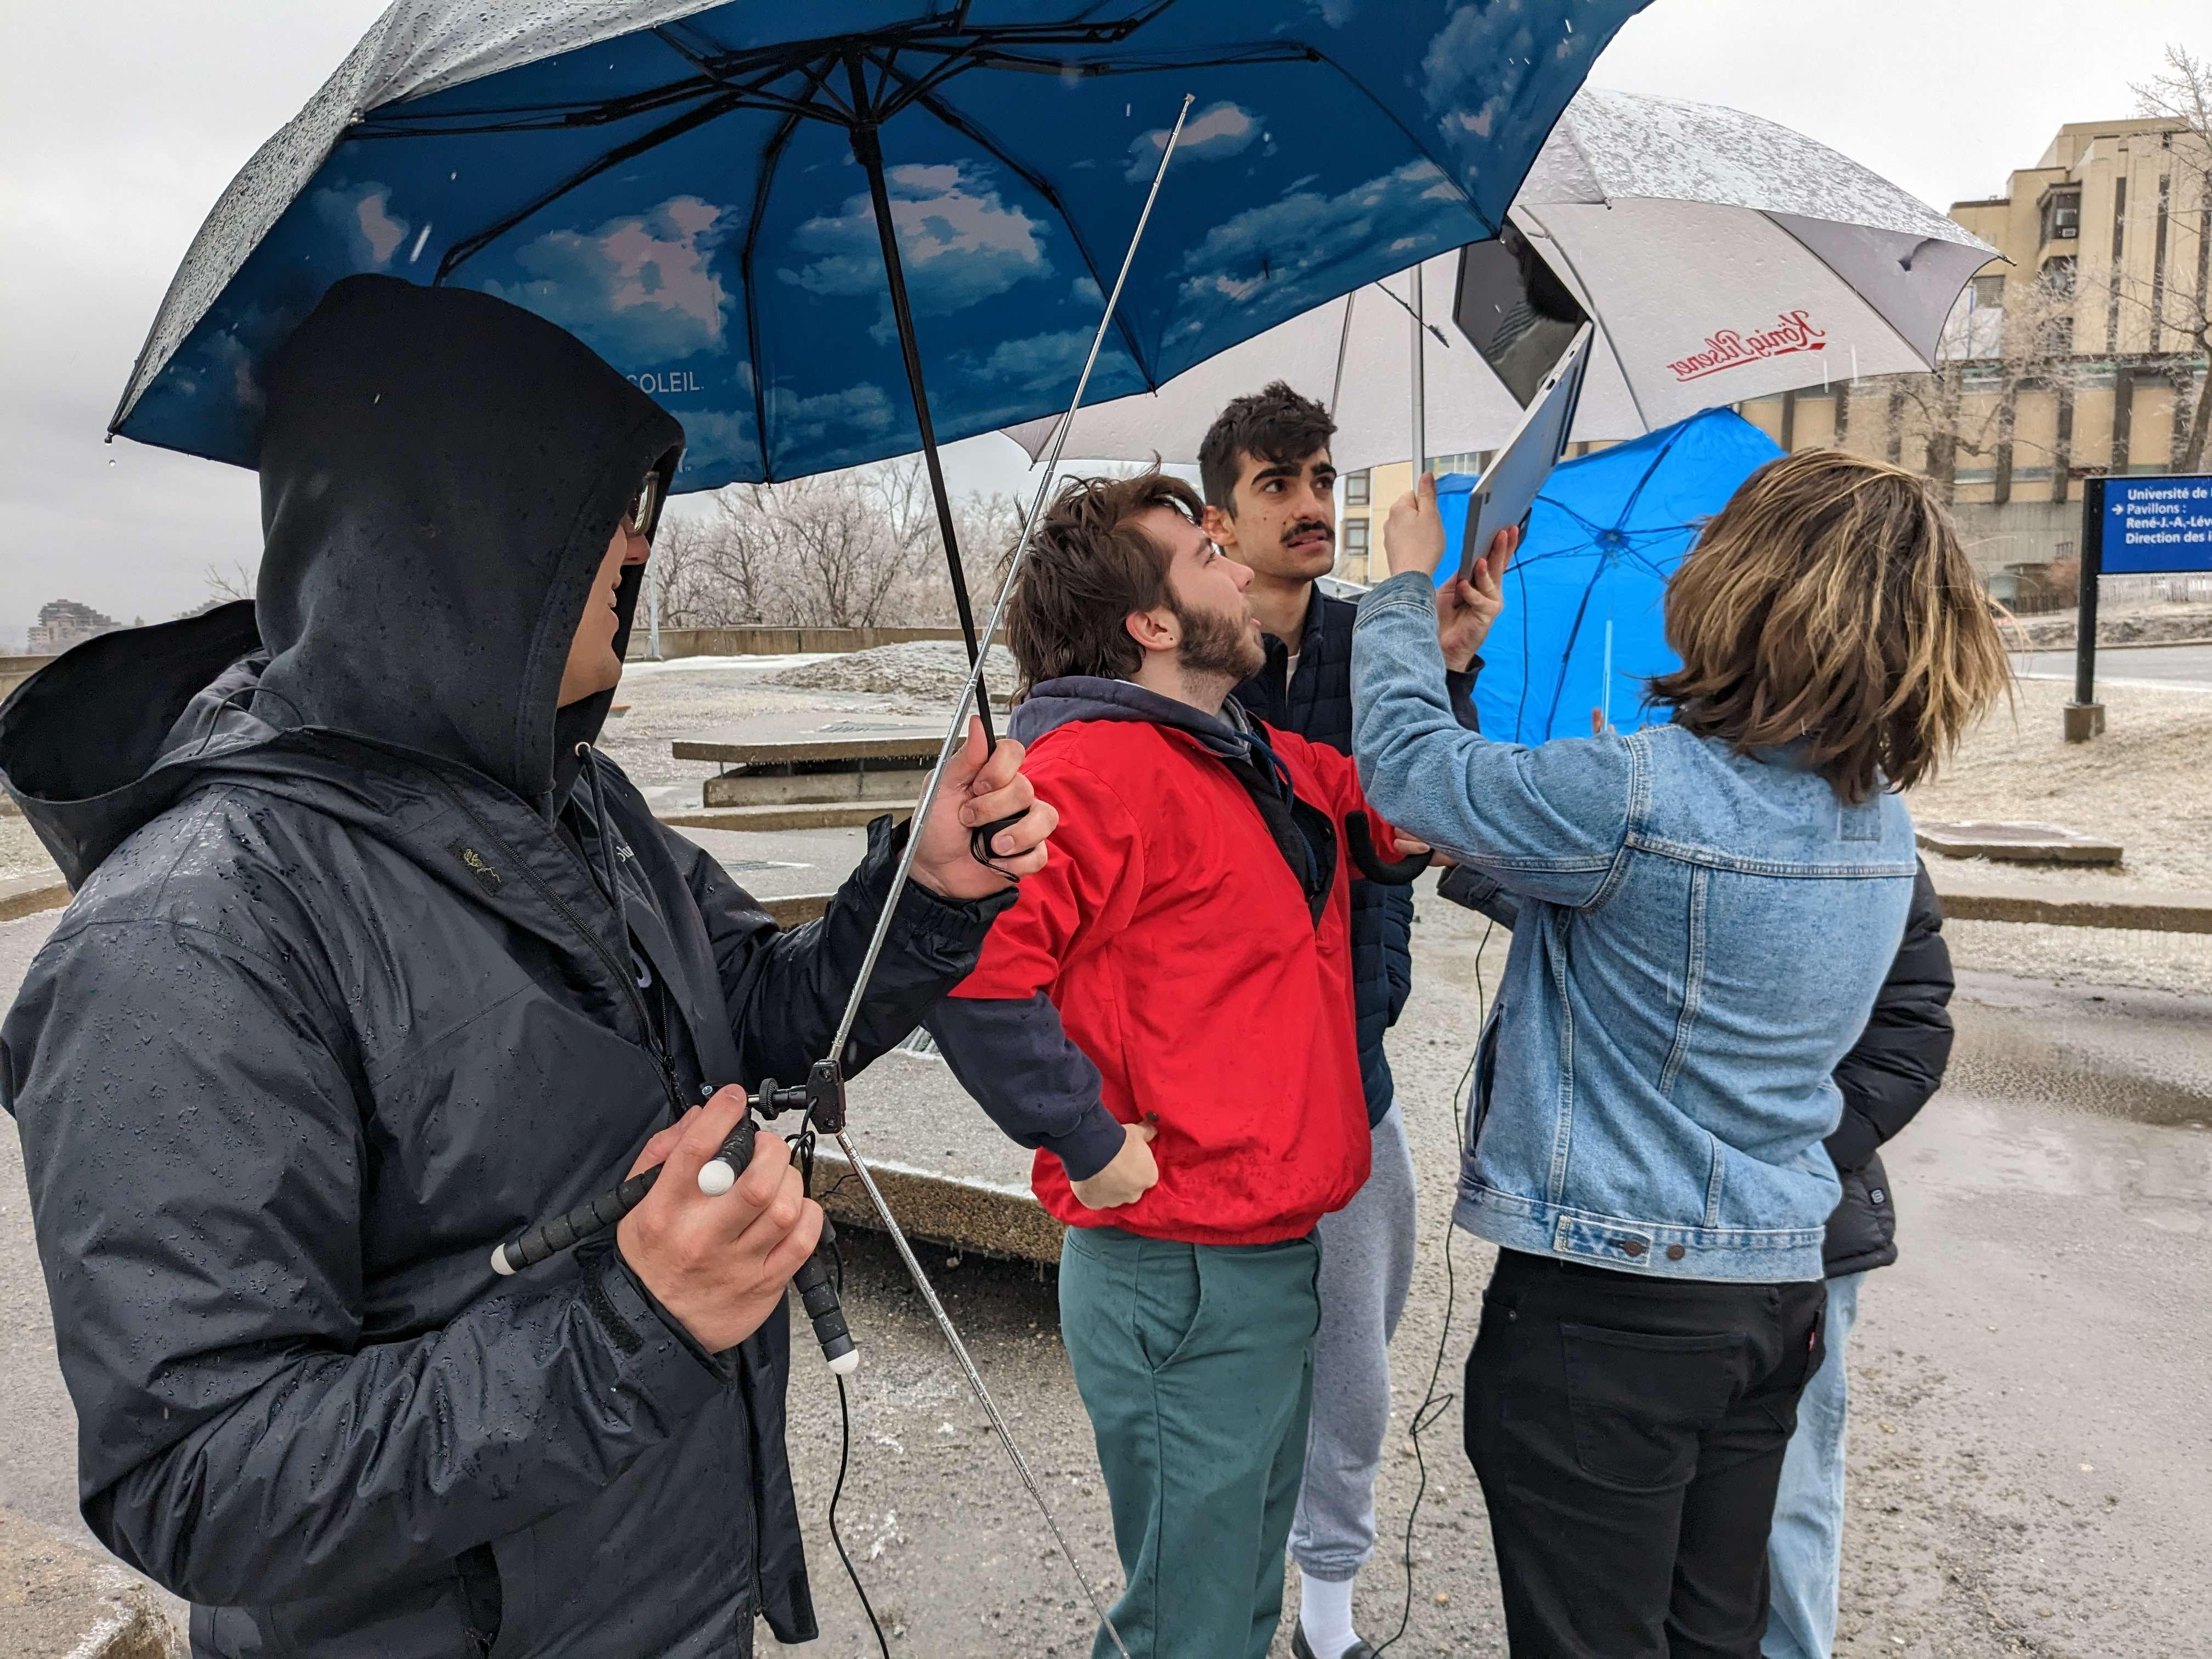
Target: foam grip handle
<point>1387,873</point>
<point>720,1173</point>
<point>818,1293</point>
<point>979,839</point>
<point>548,1238</point>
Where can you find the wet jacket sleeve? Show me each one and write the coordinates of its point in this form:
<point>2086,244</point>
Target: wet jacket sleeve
<point>1900,1059</point>
<point>786,989</point>
<point>1548,822</point>
<point>196,1155</point>
<point>1000,1031</point>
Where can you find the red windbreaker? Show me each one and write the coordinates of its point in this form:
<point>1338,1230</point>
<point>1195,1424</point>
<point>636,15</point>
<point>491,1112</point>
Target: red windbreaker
<point>1178,949</point>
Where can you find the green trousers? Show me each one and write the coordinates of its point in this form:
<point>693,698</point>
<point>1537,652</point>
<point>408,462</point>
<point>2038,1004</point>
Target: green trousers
<point>1196,1362</point>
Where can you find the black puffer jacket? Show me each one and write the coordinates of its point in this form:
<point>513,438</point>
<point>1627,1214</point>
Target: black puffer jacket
<point>1316,704</point>
<point>341,1003</point>
<point>1895,1066</point>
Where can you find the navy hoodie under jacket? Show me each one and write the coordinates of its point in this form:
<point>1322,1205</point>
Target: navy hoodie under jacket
<point>356,985</point>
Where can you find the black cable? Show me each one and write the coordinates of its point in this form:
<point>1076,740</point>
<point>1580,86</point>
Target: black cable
<point>844,1456</point>
<point>1432,1407</point>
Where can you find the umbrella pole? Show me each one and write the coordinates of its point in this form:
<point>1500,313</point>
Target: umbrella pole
<point>868,149</point>
<point>1421,390</point>
<point>872,158</point>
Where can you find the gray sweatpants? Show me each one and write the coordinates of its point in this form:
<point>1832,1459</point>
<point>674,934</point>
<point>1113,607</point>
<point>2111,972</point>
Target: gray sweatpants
<point>1366,1268</point>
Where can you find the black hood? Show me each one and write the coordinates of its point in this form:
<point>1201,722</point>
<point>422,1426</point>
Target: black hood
<point>440,474</point>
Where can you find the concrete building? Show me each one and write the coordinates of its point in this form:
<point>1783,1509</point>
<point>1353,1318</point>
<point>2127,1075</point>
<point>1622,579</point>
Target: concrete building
<point>63,623</point>
<point>2079,358</point>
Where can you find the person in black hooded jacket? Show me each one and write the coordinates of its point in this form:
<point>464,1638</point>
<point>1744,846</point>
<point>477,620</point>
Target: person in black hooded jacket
<point>373,961</point>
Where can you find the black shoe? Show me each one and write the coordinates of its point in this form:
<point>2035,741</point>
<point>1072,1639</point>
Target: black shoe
<point>1301,1649</point>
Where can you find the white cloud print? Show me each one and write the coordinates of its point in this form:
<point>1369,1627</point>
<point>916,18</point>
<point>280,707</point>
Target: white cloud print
<point>1214,134</point>
<point>361,217</point>
<point>1285,254</point>
<point>641,288</point>
<point>1476,72</point>
<point>959,242</point>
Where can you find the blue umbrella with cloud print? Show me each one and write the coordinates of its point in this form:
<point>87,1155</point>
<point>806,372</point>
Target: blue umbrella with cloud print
<point>786,221</point>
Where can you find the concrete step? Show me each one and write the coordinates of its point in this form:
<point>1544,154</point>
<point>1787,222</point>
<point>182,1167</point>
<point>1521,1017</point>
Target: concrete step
<point>58,1600</point>
<point>1971,895</point>
<point>792,815</point>
<point>827,787</point>
<point>21,895</point>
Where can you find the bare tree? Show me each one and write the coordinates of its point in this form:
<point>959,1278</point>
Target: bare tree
<point>718,568</point>
<point>843,566</point>
<point>843,549</point>
<point>2182,94</point>
<point>1952,409</point>
<point>224,586</point>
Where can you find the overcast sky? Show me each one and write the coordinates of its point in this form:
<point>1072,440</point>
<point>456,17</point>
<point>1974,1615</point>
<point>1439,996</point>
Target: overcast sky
<point>121,121</point>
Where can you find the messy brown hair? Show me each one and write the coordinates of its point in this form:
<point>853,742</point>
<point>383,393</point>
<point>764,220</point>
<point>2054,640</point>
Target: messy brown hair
<point>1090,565</point>
<point>1830,604</point>
<point>1274,424</point>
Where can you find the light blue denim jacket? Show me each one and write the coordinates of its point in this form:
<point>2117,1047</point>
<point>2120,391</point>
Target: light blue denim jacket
<point>1700,939</point>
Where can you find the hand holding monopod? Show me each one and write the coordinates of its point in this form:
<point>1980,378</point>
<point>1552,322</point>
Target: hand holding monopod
<point>719,1267</point>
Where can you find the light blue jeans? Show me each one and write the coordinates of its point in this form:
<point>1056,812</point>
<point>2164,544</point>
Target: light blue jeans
<point>1805,1550</point>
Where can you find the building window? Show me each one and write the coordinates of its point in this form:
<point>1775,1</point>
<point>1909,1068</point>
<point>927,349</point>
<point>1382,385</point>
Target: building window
<point>1355,539</point>
<point>2057,275</point>
<point>2061,214</point>
<point>1355,490</point>
<point>1989,291</point>
<point>1467,460</point>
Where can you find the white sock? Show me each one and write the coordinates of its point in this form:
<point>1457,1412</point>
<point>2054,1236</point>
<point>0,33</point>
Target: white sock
<point>1325,1615</point>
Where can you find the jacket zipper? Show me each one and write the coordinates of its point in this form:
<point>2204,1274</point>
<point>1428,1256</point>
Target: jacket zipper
<point>677,1104</point>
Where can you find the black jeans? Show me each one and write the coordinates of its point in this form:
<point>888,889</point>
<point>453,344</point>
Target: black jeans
<point>1628,1433</point>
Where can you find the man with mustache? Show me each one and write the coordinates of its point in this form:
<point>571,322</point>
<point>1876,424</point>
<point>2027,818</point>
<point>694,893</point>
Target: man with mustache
<point>1271,506</point>
<point>1165,1014</point>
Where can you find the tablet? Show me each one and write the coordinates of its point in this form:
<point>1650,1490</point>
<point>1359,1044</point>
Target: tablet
<point>1506,492</point>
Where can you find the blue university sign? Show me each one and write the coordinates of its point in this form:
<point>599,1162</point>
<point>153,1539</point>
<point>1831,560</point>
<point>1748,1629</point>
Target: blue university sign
<point>2154,524</point>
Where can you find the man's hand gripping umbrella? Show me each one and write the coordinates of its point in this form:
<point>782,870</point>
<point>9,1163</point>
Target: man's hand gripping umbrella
<point>774,1224</point>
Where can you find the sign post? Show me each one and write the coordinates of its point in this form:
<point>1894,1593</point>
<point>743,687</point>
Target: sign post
<point>2149,525</point>
<point>2085,716</point>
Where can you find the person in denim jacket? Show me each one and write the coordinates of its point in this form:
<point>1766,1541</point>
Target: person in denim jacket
<point>1707,909</point>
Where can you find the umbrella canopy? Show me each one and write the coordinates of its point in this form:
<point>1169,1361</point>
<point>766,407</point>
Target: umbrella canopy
<point>694,189</point>
<point>1721,256</point>
<point>1725,256</point>
<point>1584,622</point>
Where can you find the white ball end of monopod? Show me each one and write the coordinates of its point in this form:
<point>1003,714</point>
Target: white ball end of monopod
<point>716,1177</point>
<point>846,1364</point>
<point>499,1262</point>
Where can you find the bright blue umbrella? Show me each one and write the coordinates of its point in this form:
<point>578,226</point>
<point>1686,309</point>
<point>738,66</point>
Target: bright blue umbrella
<point>1585,624</point>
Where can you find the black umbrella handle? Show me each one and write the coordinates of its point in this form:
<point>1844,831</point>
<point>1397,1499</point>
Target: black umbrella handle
<point>1385,873</point>
<point>980,839</point>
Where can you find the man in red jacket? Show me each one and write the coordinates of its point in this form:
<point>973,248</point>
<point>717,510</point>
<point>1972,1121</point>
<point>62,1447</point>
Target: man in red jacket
<point>1165,1014</point>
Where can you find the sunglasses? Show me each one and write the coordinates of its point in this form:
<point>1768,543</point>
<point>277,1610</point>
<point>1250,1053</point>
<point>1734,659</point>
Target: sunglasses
<point>642,516</point>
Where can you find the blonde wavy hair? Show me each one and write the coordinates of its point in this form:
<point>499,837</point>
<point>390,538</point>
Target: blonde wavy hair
<point>1829,603</point>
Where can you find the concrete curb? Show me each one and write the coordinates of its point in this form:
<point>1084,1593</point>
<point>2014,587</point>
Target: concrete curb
<point>60,1601</point>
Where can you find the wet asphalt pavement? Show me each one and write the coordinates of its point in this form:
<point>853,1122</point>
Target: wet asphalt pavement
<point>2031,1461</point>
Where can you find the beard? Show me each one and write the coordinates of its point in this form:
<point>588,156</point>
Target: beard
<point>1216,643</point>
